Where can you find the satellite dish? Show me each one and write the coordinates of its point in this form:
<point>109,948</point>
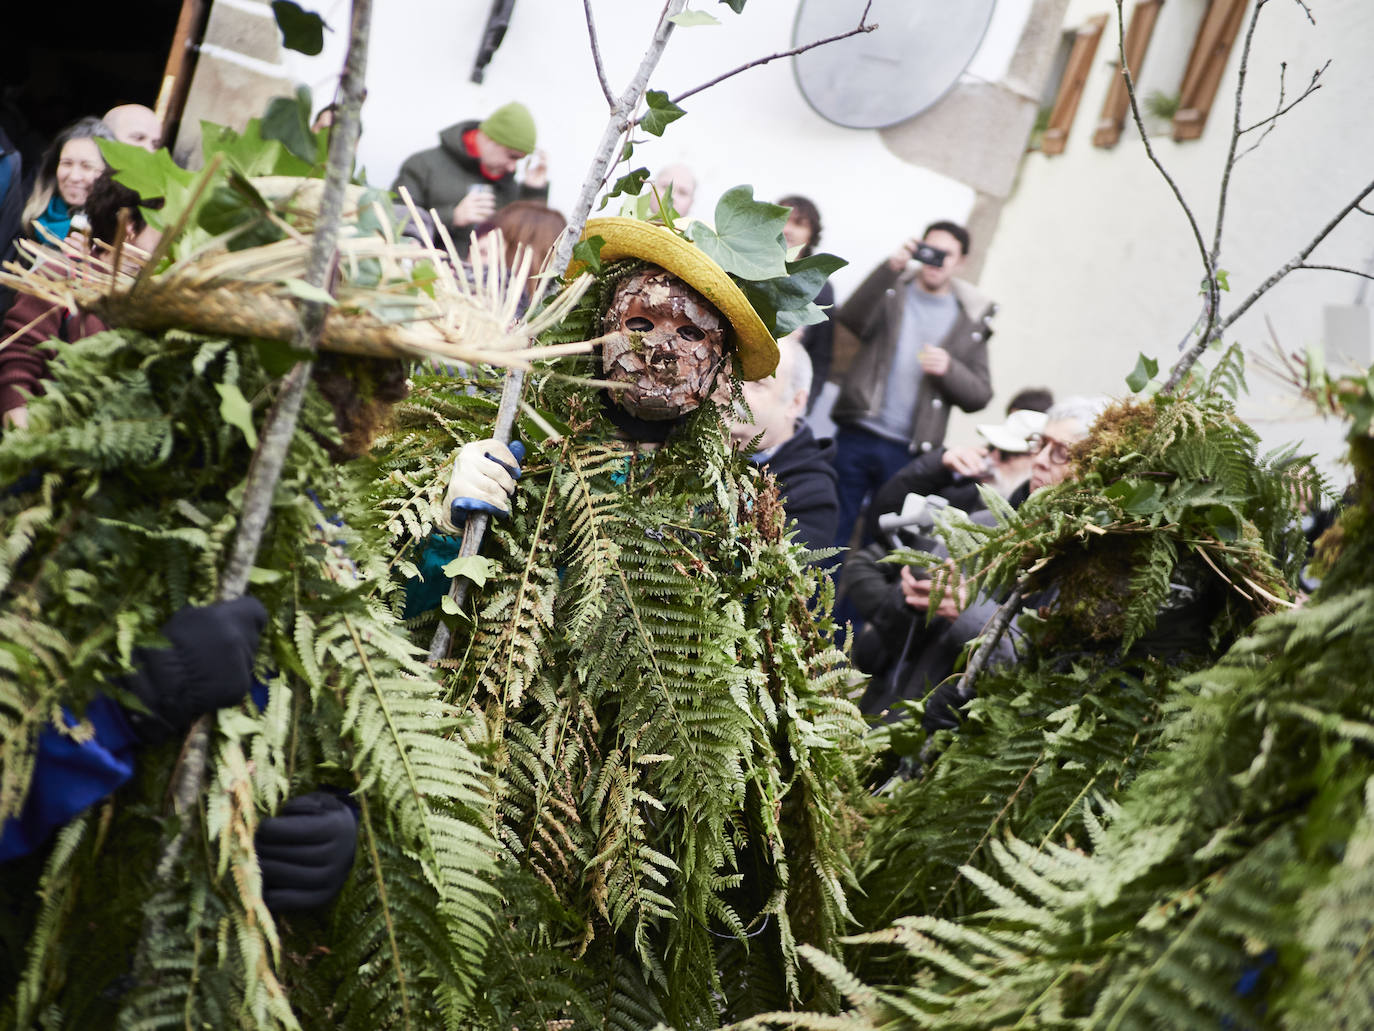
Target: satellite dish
<point>879,78</point>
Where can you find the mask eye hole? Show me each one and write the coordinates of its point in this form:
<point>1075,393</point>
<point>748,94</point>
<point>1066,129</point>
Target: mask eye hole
<point>691,333</point>
<point>638,324</point>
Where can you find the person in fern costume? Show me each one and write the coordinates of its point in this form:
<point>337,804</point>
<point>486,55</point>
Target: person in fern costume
<point>117,506</point>
<point>672,748</point>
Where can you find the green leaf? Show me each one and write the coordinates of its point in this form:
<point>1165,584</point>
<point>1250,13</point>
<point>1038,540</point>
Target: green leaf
<point>1224,523</point>
<point>288,120</point>
<point>237,205</point>
<point>277,357</point>
<point>301,30</point>
<point>1223,279</point>
<point>474,567</point>
<point>1136,498</point>
<point>735,5</point>
<point>689,19</point>
<point>300,288</point>
<point>449,606</point>
<point>588,252</point>
<point>260,575</point>
<point>630,183</point>
<point>1144,371</point>
<point>661,112</point>
<point>746,240</point>
<point>236,411</point>
<point>627,150</point>
<point>149,175</point>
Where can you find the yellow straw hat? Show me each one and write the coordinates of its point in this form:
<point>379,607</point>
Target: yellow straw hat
<point>631,238</point>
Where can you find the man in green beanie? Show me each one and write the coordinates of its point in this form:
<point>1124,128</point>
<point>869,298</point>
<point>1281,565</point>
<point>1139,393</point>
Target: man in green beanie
<point>471,174</point>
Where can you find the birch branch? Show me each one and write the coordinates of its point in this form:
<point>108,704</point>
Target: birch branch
<point>596,55</point>
<point>268,459</point>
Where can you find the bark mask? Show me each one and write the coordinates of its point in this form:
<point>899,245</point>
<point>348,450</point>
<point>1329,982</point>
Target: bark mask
<point>664,341</point>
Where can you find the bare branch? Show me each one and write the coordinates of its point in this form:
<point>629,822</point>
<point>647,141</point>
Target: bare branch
<point>861,27</point>
<point>1363,210</point>
<point>1306,10</point>
<point>596,55</point>
<point>1281,109</point>
<point>1336,268</point>
<point>996,628</point>
<point>1213,291</point>
<point>1297,261</point>
<point>1236,132</point>
<point>270,456</point>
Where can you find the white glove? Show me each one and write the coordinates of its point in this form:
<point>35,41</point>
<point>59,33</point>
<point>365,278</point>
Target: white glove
<point>483,480</point>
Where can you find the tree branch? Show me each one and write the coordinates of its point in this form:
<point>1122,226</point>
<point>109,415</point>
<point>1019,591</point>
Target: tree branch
<point>270,456</point>
<point>1213,291</point>
<point>1297,261</point>
<point>596,55</point>
<point>1280,110</point>
<point>1224,192</point>
<point>861,27</point>
<point>1336,268</point>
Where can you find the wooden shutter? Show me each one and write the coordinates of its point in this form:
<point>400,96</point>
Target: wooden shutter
<point>1206,65</point>
<point>1138,32</point>
<point>181,60</point>
<point>1071,85</point>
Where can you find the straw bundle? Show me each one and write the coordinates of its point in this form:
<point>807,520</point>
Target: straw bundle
<point>392,299</point>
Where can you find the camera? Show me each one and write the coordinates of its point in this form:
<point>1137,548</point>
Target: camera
<point>911,526</point>
<point>928,255</point>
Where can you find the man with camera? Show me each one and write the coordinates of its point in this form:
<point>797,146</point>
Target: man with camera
<point>923,336</point>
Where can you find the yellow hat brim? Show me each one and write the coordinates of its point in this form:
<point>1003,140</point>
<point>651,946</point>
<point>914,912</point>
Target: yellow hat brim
<point>755,347</point>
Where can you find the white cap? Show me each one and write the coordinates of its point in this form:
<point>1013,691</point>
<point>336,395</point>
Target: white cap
<point>1013,436</point>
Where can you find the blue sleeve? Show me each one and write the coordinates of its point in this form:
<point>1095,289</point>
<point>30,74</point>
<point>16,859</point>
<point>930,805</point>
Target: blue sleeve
<point>70,775</point>
<point>425,591</point>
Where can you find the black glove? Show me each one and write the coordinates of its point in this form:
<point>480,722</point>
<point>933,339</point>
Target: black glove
<point>306,851</point>
<point>209,666</point>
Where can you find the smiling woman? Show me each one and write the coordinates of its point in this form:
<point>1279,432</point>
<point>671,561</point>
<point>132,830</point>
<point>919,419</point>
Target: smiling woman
<point>69,166</point>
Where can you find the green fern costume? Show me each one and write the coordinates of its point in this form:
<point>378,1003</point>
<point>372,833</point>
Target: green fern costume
<point>672,750</point>
<point>139,458</point>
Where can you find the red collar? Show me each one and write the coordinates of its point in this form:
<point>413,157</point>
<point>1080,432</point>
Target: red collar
<point>470,145</point>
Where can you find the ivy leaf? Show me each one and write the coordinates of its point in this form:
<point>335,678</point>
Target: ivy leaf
<point>235,204</point>
<point>288,121</point>
<point>735,5</point>
<point>474,567</point>
<point>630,183</point>
<point>1136,498</point>
<point>236,411</point>
<point>785,303</point>
<point>661,112</point>
<point>301,30</point>
<point>277,357</point>
<point>747,238</point>
<point>300,288</point>
<point>690,19</point>
<point>149,175</point>
<point>588,252</point>
<point>1144,371</point>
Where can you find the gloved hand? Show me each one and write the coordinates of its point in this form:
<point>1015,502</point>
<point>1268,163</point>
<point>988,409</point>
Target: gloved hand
<point>306,851</point>
<point>483,480</point>
<point>209,666</point>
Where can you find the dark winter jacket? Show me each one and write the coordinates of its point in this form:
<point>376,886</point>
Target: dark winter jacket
<point>24,361</point>
<point>439,177</point>
<point>874,314</point>
<point>805,471</point>
<point>818,340</point>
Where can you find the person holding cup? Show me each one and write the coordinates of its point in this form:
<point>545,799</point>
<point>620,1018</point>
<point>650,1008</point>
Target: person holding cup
<point>471,175</point>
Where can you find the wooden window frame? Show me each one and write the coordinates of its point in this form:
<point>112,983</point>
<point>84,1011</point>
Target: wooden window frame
<point>1206,65</point>
<point>1076,71</point>
<point>1138,32</point>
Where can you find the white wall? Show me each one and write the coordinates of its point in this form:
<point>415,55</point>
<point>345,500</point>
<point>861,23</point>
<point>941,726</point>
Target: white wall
<point>755,128</point>
<point>1094,261</point>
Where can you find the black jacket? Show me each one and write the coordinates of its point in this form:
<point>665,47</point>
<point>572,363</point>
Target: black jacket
<point>804,469</point>
<point>926,474</point>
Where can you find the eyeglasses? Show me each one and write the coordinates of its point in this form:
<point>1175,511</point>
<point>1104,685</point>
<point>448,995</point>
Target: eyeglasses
<point>1059,451</point>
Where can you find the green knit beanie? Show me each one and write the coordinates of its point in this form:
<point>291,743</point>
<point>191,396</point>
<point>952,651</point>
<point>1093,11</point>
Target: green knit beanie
<point>511,125</point>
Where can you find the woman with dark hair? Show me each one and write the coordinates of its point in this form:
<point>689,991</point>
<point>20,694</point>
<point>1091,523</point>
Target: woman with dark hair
<point>65,176</point>
<point>803,233</point>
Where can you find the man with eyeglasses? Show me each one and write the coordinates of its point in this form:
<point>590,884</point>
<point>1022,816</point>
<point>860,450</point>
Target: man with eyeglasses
<point>934,640</point>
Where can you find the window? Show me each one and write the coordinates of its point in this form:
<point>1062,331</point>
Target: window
<point>1138,32</point>
<point>1076,70</point>
<point>1206,65</point>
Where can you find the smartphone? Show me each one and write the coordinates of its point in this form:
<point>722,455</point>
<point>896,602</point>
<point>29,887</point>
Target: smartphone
<point>928,255</point>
